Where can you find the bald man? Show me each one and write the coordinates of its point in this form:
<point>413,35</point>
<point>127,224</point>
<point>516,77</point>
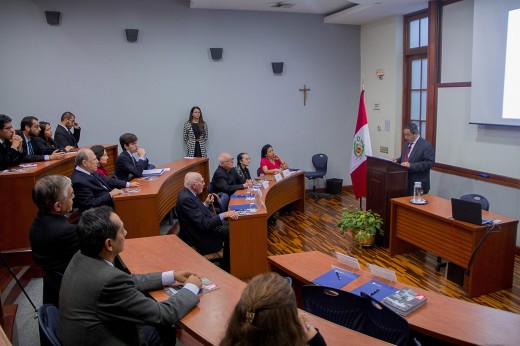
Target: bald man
<point>226,179</point>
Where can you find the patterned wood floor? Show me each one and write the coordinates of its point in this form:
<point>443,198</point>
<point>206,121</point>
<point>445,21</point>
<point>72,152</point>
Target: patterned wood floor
<point>316,230</point>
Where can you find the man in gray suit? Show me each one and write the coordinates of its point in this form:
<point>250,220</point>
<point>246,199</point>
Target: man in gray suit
<point>418,156</point>
<point>102,305</point>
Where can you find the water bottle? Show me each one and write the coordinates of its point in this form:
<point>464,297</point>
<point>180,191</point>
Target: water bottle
<point>417,192</point>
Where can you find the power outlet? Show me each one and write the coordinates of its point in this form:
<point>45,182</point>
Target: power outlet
<point>383,150</point>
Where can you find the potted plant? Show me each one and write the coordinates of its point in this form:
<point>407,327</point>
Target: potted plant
<point>364,225</point>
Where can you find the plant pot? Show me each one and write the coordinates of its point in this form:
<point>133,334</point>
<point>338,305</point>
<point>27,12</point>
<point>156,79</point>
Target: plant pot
<point>364,241</point>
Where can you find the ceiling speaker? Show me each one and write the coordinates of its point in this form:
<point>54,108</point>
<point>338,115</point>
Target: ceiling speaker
<point>277,67</point>
<point>131,34</point>
<point>216,53</point>
<point>53,17</point>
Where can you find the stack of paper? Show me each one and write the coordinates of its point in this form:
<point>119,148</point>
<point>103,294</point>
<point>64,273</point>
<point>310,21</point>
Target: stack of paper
<point>152,172</point>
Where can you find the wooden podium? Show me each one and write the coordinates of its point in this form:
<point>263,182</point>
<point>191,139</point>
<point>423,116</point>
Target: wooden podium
<point>385,180</point>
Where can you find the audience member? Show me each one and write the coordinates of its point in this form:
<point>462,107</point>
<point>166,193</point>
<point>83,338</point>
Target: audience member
<point>53,240</point>
<point>91,189</point>
<point>195,134</point>
<point>418,156</point>
<point>67,132</point>
<point>266,314</point>
<point>43,142</point>
<point>10,144</point>
<point>127,167</point>
<point>243,161</point>
<point>102,157</point>
<point>226,179</point>
<point>201,228</point>
<point>100,304</point>
<point>29,130</point>
<point>270,162</point>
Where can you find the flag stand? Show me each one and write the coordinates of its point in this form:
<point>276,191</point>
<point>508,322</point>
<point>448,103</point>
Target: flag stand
<point>361,203</point>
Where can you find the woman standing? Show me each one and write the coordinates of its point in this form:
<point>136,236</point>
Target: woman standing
<point>243,161</point>
<point>195,134</point>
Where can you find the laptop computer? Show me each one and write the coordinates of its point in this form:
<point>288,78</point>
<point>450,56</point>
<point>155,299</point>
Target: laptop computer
<point>467,211</point>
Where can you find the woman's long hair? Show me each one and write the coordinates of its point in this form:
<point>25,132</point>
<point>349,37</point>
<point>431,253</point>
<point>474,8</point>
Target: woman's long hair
<point>266,314</point>
<point>202,124</point>
<point>43,126</point>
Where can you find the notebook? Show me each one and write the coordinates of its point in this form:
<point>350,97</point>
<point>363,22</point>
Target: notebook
<point>468,212</point>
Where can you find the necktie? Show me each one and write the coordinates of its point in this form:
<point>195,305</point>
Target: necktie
<point>30,148</point>
<point>405,158</point>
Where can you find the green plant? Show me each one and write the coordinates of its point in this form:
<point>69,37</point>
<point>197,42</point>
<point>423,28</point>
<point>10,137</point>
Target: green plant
<point>364,224</point>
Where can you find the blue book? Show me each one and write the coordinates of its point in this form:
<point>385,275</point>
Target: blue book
<point>375,289</point>
<point>242,195</point>
<point>239,207</point>
<point>335,278</point>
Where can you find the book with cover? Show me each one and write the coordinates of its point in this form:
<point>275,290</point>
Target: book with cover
<point>335,278</point>
<point>152,172</point>
<point>404,301</point>
<point>375,289</point>
<point>207,286</point>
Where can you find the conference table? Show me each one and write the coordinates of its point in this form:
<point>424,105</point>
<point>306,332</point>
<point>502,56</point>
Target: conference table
<point>206,323</point>
<point>430,227</point>
<point>248,234</point>
<point>143,211</point>
<point>18,210</point>
<point>445,319</point>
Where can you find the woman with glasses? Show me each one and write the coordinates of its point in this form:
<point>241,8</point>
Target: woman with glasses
<point>243,161</point>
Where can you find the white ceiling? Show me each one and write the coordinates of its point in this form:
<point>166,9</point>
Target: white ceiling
<point>356,12</point>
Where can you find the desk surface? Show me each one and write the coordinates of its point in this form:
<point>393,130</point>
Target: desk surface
<point>442,317</point>
<point>207,321</point>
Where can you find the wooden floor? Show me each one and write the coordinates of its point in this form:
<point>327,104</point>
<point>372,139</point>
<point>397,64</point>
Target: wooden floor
<point>316,230</point>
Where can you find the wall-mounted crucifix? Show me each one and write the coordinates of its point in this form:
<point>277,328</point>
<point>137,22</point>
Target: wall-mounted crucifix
<point>304,91</point>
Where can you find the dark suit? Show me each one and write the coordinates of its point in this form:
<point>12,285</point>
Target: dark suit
<point>64,138</point>
<point>227,181</point>
<point>421,160</point>
<point>93,190</point>
<point>127,167</point>
<point>199,226</point>
<point>27,157</point>
<point>9,157</point>
<point>42,147</point>
<point>102,305</point>
<point>53,243</point>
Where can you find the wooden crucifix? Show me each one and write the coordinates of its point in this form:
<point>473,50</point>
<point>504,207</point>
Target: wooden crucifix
<point>304,91</point>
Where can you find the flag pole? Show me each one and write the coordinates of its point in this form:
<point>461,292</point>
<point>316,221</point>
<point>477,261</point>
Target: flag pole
<point>361,203</point>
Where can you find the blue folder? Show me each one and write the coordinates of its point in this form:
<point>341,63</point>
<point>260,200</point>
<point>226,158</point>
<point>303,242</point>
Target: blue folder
<point>239,207</point>
<point>335,280</point>
<point>242,195</point>
<point>375,289</point>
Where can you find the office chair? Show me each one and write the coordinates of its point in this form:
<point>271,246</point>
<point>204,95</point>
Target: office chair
<point>472,197</point>
<point>340,307</point>
<point>319,161</point>
<point>48,321</point>
<point>384,324</point>
<point>259,171</point>
<point>51,287</point>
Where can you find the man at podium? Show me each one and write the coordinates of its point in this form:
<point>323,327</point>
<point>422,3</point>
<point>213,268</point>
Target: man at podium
<point>418,156</point>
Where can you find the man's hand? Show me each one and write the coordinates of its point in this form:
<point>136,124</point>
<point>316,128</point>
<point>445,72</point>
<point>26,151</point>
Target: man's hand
<point>69,148</point>
<point>194,279</point>
<point>248,183</point>
<point>141,152</point>
<point>115,192</point>
<point>182,275</point>
<point>230,215</point>
<point>405,164</point>
<point>57,155</point>
<point>136,184</point>
<point>16,142</point>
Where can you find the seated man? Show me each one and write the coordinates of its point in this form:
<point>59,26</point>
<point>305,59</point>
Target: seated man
<point>199,226</point>
<point>10,144</point>
<point>29,129</point>
<point>226,179</point>
<point>67,139</point>
<point>100,304</point>
<point>91,189</point>
<point>127,166</point>
<point>53,240</point>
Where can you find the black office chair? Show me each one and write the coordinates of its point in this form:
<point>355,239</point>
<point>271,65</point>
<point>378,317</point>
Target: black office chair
<point>471,197</point>
<point>319,161</point>
<point>51,287</point>
<point>259,171</point>
<point>384,324</point>
<point>48,321</point>
<point>340,307</point>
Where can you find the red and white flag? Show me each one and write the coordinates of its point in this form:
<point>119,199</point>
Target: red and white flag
<point>360,149</point>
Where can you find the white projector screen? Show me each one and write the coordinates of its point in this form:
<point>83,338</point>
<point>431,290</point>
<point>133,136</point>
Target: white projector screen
<point>495,84</point>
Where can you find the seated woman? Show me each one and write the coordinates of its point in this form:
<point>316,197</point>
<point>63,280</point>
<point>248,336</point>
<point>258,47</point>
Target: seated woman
<point>243,161</point>
<point>266,314</point>
<point>43,142</point>
<point>271,163</point>
<point>102,156</point>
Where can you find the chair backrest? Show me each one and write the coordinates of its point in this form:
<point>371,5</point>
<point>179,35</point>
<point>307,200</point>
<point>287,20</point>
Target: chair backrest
<point>384,324</point>
<point>319,161</point>
<point>473,197</point>
<point>49,321</point>
<point>340,307</point>
<point>259,171</point>
<point>51,287</point>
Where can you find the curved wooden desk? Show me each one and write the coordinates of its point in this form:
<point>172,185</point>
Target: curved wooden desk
<point>447,319</point>
<point>142,212</point>
<point>18,210</point>
<point>248,234</point>
<point>206,323</point>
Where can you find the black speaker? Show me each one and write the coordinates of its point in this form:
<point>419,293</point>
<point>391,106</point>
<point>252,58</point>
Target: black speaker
<point>277,67</point>
<point>216,53</point>
<point>53,17</point>
<point>131,34</point>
